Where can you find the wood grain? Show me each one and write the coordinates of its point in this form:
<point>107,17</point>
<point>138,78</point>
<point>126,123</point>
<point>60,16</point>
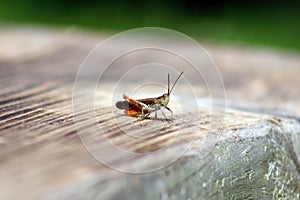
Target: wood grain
<point>43,153</point>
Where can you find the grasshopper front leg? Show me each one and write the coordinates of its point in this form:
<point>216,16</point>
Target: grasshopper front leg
<point>169,109</point>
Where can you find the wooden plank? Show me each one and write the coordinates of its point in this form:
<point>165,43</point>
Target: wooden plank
<point>43,156</point>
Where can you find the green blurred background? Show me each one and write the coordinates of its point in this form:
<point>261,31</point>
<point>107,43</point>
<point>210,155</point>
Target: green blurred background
<point>272,24</point>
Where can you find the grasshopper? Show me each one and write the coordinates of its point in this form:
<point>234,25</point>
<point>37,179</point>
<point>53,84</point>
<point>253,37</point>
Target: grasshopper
<point>144,107</point>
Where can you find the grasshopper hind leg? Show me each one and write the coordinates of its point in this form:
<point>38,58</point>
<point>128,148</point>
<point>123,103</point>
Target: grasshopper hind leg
<point>143,115</point>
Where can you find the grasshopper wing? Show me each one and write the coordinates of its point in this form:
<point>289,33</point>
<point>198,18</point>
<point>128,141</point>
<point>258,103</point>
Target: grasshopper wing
<point>131,107</point>
<point>123,105</point>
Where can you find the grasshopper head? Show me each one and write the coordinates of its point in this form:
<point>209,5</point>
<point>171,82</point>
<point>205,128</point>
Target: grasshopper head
<point>164,99</point>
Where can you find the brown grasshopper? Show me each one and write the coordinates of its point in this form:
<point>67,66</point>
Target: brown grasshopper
<point>144,107</point>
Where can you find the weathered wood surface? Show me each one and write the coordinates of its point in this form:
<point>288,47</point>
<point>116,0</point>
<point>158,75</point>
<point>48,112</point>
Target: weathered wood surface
<point>255,153</point>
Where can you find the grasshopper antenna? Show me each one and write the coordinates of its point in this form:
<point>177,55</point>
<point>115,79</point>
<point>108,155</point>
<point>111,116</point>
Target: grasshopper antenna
<point>169,91</point>
<point>168,84</point>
